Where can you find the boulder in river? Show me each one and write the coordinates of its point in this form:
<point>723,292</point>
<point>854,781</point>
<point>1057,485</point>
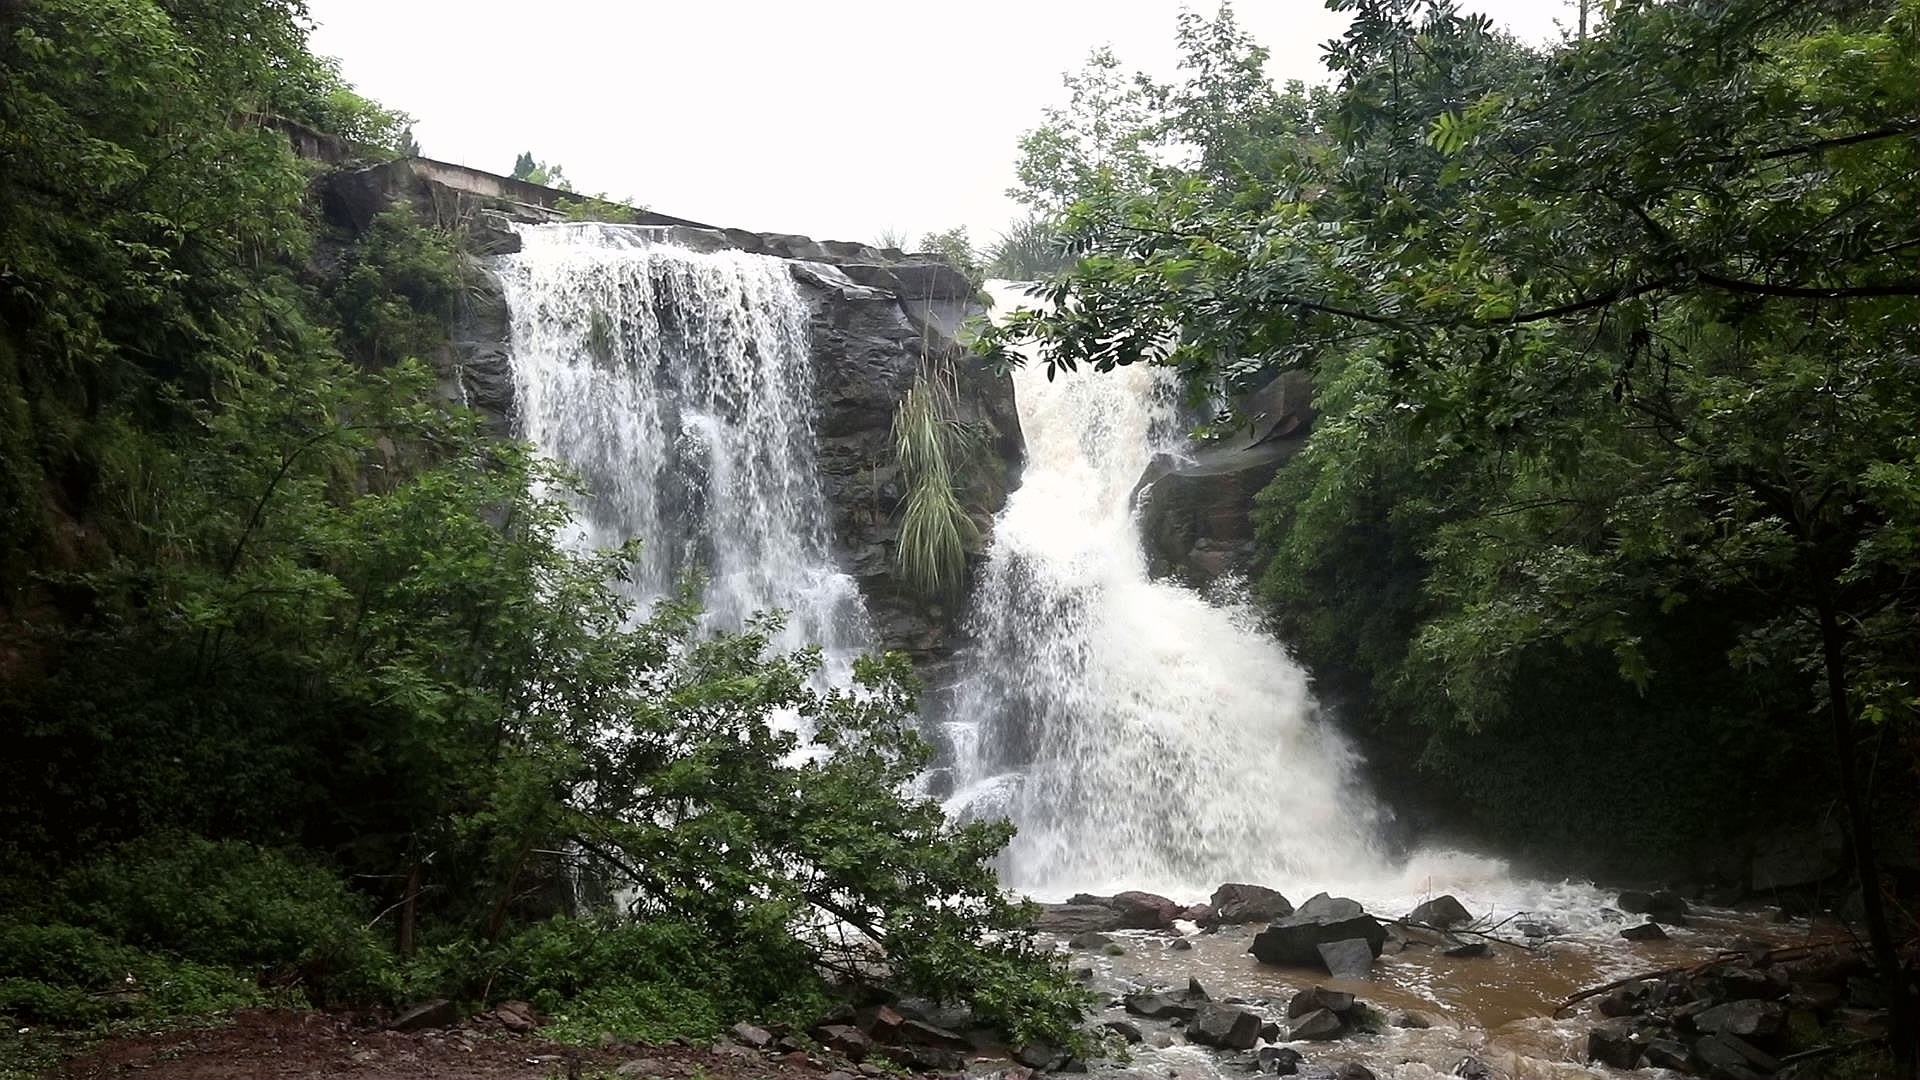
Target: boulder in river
<point>1278,1060</point>
<point>1442,912</point>
<point>1068,919</point>
<point>1144,910</point>
<point>1225,1026</point>
<point>1295,940</point>
<point>1234,904</point>
<point>1157,1006</point>
<point>1316,1025</point>
<point>1348,959</point>
<point>1747,1019</point>
<point>1648,931</point>
<point>1663,906</point>
<point>1338,1002</point>
<point>1468,948</point>
<point>1616,1043</point>
<point>1089,940</point>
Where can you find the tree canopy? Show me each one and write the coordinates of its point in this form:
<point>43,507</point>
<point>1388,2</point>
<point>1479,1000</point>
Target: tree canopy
<point>1616,354</point>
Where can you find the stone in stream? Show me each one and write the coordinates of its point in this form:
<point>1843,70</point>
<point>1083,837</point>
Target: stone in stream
<point>1068,919</point>
<point>1089,940</point>
<point>1180,945</point>
<point>1664,906</point>
<point>1748,1019</point>
<point>1349,959</point>
<point>1225,1027</point>
<point>1144,911</point>
<point>1470,948</point>
<point>1472,1068</point>
<point>1295,940</point>
<point>1041,1055</point>
<point>1721,1060</point>
<point>1411,1019</point>
<point>1126,1029</point>
<point>1318,1024</point>
<point>1157,1006</point>
<point>1338,1002</point>
<point>1233,905</point>
<point>1278,1060</point>
<point>1441,912</point>
<point>1353,1070</point>
<point>1669,1054</point>
<point>1615,1043</point>
<point>1324,908</point>
<point>1648,931</point>
<point>1196,994</point>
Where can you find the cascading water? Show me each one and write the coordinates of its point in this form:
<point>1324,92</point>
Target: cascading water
<point>678,386</point>
<point>1139,736</point>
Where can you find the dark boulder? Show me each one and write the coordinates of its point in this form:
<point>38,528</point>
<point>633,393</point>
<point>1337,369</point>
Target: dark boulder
<point>1748,1019</point>
<point>1316,1025</point>
<point>1319,997</point>
<point>1722,1061</point>
<point>1068,919</point>
<point>846,1040</point>
<point>1041,1055</point>
<point>1349,959</point>
<point>1126,1029</point>
<point>1664,906</point>
<point>1647,931</point>
<point>1669,1054</point>
<point>1353,1070</point>
<point>1156,1006</point>
<point>1224,1026</point>
<point>1617,1044</point>
<point>1089,940</point>
<point>1472,1068</point>
<point>1470,948</point>
<point>1295,941</point>
<point>1444,912</point>
<point>1278,1060</point>
<point>1144,911</point>
<point>1234,905</point>
<point>921,1033</point>
<point>752,1035</point>
<point>1324,908</point>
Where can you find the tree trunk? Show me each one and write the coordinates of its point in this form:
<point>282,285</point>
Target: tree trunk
<point>1900,1015</point>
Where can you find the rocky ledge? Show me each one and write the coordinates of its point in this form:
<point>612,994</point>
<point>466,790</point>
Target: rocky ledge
<point>878,317</point>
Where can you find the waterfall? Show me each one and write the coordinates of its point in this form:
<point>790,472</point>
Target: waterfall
<point>678,387</point>
<point>1138,735</point>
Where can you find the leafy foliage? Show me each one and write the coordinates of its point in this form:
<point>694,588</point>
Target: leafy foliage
<point>277,619</point>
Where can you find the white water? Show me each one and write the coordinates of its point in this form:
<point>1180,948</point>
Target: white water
<point>677,385</point>
<point>1139,736</point>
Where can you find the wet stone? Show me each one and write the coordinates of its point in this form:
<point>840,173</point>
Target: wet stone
<point>1616,1044</point>
<point>1669,1054</point>
<point>1277,1060</point>
<point>1471,948</point>
<point>1649,931</point>
<point>1721,1060</point>
<point>1225,1027</point>
<point>1318,1024</point>
<point>1319,997</point>
<point>1749,1019</point>
<point>1444,912</point>
<point>1349,959</point>
<point>1088,940</point>
<point>1126,1029</point>
<point>1155,1006</point>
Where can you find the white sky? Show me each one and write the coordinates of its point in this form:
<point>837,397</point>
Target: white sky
<point>833,118</point>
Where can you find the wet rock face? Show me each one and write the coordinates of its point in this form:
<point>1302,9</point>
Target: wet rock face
<point>1196,516</point>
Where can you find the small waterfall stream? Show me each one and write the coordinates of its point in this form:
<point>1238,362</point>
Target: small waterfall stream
<point>678,386</point>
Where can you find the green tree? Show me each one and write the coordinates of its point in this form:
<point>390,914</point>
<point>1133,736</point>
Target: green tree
<point>1620,349</point>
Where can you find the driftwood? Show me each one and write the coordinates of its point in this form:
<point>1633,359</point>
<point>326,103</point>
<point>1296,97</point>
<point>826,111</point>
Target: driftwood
<point>1767,956</point>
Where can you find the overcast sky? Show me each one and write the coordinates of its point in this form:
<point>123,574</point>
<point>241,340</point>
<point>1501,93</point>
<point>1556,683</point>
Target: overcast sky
<point>833,118</point>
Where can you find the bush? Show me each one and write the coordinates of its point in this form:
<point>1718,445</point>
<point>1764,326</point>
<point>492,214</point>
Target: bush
<point>71,976</point>
<point>234,905</point>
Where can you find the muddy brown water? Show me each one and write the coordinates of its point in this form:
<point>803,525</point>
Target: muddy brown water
<point>1497,1007</point>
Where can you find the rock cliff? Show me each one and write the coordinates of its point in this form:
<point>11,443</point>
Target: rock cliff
<point>877,316</point>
